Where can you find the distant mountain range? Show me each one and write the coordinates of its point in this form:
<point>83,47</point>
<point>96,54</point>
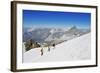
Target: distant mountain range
<point>52,35</point>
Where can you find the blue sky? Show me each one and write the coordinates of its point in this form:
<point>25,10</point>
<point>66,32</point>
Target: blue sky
<point>33,18</point>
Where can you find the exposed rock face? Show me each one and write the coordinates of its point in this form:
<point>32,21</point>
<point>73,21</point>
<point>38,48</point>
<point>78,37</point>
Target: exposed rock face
<point>31,44</point>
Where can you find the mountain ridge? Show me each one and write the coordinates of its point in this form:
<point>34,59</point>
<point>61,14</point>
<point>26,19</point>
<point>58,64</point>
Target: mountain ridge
<point>53,35</point>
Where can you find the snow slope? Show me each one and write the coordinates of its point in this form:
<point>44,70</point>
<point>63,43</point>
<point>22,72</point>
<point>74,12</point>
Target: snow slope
<point>76,49</point>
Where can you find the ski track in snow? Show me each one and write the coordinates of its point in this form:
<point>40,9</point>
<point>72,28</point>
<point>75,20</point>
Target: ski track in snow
<point>76,49</point>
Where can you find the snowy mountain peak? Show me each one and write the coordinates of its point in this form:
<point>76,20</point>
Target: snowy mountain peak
<point>30,29</point>
<point>73,28</point>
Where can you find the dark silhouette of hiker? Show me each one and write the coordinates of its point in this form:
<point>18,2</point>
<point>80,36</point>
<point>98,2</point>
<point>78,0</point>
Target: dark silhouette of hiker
<point>41,51</point>
<point>48,48</point>
<point>31,42</point>
<point>53,46</point>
